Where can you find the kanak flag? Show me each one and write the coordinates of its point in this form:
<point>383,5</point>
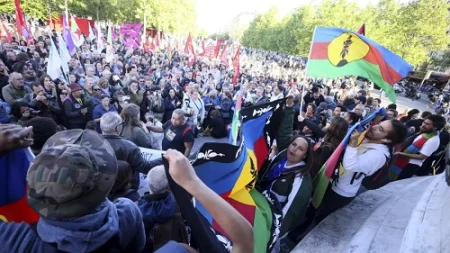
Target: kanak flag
<point>189,50</point>
<point>236,65</point>
<point>362,30</point>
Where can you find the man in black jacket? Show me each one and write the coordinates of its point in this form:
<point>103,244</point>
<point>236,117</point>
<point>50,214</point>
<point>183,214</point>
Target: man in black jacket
<point>45,103</point>
<point>313,96</point>
<point>125,150</point>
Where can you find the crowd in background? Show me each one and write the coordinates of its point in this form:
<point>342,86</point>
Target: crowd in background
<point>156,100</point>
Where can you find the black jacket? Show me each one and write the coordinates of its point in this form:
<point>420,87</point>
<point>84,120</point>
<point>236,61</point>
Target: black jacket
<point>52,110</point>
<point>127,151</point>
<point>72,111</point>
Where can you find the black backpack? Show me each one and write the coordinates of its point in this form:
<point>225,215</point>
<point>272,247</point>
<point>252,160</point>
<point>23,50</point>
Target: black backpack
<point>378,179</point>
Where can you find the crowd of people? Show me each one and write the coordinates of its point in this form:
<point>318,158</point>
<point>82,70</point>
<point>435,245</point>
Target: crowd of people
<point>87,127</point>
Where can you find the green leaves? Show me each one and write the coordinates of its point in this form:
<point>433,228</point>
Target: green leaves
<point>411,30</point>
<point>174,16</point>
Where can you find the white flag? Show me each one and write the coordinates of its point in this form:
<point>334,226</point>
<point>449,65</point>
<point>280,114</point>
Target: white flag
<point>54,62</point>
<point>91,32</point>
<point>64,54</point>
<point>100,42</point>
<point>77,37</point>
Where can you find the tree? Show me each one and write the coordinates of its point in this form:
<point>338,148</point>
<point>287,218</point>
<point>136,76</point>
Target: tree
<point>177,16</point>
<point>34,8</point>
<point>411,30</point>
<point>263,30</point>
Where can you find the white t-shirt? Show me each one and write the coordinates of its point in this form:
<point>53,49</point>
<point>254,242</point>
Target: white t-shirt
<point>428,148</point>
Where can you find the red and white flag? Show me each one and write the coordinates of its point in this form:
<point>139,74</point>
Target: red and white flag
<point>4,33</point>
<point>21,24</point>
<point>224,56</point>
<point>189,50</point>
<point>217,49</point>
<point>203,52</point>
<point>362,30</point>
<point>209,49</point>
<point>149,46</point>
<point>236,65</point>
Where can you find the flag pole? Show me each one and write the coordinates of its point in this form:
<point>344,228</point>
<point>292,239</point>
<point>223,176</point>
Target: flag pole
<point>67,12</point>
<point>306,70</point>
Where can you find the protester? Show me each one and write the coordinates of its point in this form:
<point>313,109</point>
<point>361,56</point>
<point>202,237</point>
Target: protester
<point>162,218</point>
<point>361,161</point>
<point>43,129</point>
<point>76,109</point>
<point>125,150</point>
<point>419,147</point>
<point>16,90</point>
<point>288,174</point>
<point>231,221</point>
<point>177,133</point>
<point>133,128</point>
<point>122,185</point>
<point>74,220</point>
<point>102,109</point>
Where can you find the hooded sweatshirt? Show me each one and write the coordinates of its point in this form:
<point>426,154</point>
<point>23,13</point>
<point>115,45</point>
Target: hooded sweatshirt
<point>83,234</point>
<point>157,208</point>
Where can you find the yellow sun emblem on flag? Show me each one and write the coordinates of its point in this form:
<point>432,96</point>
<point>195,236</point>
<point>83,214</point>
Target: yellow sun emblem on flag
<point>346,48</point>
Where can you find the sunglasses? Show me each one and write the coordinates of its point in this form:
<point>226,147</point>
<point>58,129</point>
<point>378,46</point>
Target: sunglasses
<point>97,90</point>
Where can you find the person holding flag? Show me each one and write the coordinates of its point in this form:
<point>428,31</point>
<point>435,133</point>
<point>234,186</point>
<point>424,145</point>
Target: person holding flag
<point>360,161</point>
<point>287,176</point>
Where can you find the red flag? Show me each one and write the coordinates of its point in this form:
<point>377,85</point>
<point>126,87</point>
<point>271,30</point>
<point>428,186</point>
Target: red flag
<point>236,65</point>
<point>362,30</point>
<point>203,53</point>
<point>189,50</point>
<point>217,49</point>
<point>149,46</point>
<point>4,33</point>
<point>20,20</point>
<point>224,56</point>
<point>210,47</point>
<point>157,43</point>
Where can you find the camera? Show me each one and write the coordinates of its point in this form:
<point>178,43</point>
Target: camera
<point>49,97</point>
<point>33,112</point>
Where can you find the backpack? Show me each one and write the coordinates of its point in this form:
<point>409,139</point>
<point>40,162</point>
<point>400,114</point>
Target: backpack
<point>172,230</point>
<point>380,178</point>
<point>111,246</point>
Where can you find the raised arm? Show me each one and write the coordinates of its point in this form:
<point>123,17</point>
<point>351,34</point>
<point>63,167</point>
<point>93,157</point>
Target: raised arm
<point>230,220</point>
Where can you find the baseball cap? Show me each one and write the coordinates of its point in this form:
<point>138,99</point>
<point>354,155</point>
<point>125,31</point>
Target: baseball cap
<point>72,175</point>
<point>74,87</point>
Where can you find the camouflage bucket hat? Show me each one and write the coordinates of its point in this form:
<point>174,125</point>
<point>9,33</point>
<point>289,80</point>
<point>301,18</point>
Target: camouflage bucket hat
<point>72,175</point>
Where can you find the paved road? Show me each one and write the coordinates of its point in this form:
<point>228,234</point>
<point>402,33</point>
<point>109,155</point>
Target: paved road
<point>403,102</point>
